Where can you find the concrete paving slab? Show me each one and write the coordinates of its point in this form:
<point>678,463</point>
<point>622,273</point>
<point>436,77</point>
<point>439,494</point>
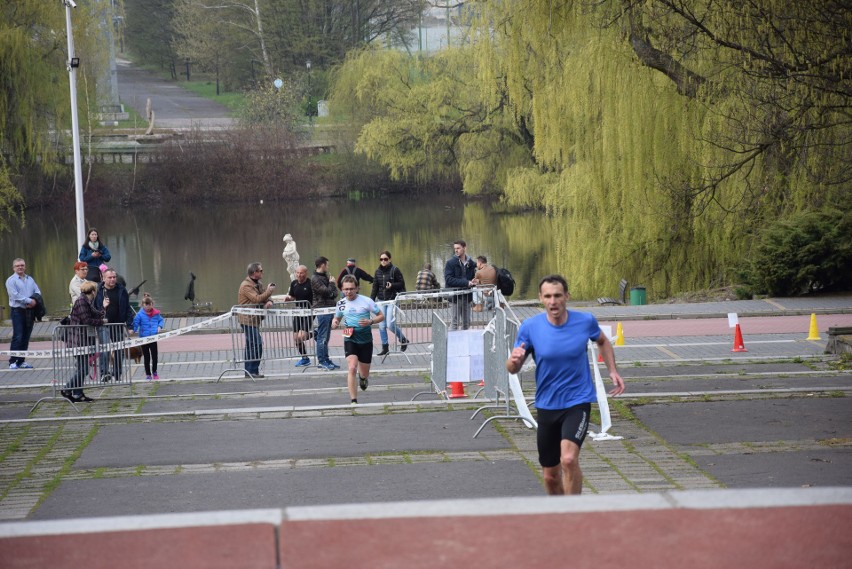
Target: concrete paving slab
<point>749,420</point>
<point>288,487</point>
<point>727,383</point>
<point>234,441</point>
<point>326,397</point>
<point>805,469</point>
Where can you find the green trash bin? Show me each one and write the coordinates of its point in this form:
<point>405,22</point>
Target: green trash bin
<point>637,296</point>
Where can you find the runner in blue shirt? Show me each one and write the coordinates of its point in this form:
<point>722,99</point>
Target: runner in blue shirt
<point>358,314</point>
<point>565,390</point>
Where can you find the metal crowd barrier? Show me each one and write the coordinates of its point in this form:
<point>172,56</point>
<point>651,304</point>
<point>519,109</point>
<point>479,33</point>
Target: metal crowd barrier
<point>414,311</point>
<point>499,342</point>
<point>88,357</point>
<point>277,327</point>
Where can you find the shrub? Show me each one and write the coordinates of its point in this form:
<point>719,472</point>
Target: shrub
<point>806,252</point>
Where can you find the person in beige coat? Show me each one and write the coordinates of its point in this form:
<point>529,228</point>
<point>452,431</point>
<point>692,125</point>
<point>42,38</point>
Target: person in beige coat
<point>254,295</point>
<point>487,275</point>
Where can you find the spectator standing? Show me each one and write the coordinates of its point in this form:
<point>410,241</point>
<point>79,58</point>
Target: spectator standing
<point>252,294</point>
<point>426,279</point>
<point>459,273</point>
<point>23,299</point>
<point>118,311</point>
<point>486,275</point>
<point>564,393</point>
<point>388,283</point>
<point>149,322</point>
<point>94,253</point>
<point>353,269</point>
<point>81,269</point>
<point>358,314</point>
<point>300,290</point>
<point>83,313</point>
<point>325,296</point>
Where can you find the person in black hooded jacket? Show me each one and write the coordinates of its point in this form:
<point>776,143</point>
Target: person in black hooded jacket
<point>388,283</point>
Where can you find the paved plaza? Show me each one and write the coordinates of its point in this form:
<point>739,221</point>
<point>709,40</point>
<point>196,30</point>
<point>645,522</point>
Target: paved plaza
<point>696,417</point>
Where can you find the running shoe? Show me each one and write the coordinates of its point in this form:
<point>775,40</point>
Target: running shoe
<point>333,365</point>
<point>13,365</point>
<point>303,362</point>
<point>327,366</point>
<point>24,365</point>
<point>363,382</point>
<point>148,377</point>
<point>403,344</point>
<point>156,377</point>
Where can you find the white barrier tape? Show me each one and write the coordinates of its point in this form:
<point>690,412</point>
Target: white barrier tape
<point>115,346</point>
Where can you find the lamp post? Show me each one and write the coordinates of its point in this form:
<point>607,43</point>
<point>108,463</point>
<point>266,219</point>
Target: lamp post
<point>310,110</point>
<point>73,64</point>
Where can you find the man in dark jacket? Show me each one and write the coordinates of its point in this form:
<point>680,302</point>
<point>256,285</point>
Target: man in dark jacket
<point>353,269</point>
<point>325,296</point>
<point>118,312</point>
<point>387,284</point>
<point>459,274</point>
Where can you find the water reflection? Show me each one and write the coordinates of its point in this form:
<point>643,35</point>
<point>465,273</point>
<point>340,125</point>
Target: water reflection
<point>217,242</point>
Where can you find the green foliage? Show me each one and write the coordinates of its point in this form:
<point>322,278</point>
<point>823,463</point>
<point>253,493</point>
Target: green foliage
<point>34,88</point>
<point>424,119</point>
<point>149,33</point>
<point>805,252</point>
<point>268,105</point>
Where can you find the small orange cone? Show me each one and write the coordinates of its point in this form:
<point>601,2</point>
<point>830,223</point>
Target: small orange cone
<point>738,341</point>
<point>600,357</point>
<point>813,334</point>
<point>457,390</point>
<point>481,383</point>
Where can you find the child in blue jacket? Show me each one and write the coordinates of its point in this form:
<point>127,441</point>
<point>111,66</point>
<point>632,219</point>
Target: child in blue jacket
<point>148,322</point>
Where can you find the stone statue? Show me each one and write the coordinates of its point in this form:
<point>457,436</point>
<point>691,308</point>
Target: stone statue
<point>291,256</point>
<point>149,112</point>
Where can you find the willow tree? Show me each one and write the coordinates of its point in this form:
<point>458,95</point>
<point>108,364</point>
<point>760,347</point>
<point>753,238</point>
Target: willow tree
<point>424,119</point>
<point>665,130</point>
<point>34,91</point>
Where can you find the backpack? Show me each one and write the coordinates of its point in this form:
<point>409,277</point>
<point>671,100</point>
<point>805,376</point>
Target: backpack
<point>505,282</point>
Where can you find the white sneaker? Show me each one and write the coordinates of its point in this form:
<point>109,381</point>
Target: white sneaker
<point>13,365</point>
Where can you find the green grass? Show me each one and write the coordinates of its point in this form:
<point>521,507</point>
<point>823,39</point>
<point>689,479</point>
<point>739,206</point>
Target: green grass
<point>207,89</point>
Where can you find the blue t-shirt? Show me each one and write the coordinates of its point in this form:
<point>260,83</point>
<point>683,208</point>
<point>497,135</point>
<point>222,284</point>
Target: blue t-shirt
<point>351,311</point>
<point>562,374</point>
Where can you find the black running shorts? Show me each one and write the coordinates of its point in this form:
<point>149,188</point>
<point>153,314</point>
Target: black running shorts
<point>363,351</point>
<point>557,425</point>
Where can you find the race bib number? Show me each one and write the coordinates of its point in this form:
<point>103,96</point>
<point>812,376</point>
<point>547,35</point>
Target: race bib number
<point>348,331</point>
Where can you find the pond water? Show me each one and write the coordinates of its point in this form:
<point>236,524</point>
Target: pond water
<point>161,246</point>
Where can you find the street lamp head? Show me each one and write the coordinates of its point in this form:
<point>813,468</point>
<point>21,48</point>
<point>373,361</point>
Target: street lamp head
<point>70,3</point>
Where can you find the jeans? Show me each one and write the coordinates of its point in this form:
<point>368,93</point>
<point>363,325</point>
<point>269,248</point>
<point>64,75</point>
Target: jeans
<point>107,334</point>
<point>389,323</point>
<point>75,384</point>
<point>461,313</point>
<point>22,329</point>
<point>254,349</point>
<point>323,334</point>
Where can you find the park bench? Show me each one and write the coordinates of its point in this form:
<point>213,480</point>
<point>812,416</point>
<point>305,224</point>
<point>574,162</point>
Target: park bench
<point>622,291</point>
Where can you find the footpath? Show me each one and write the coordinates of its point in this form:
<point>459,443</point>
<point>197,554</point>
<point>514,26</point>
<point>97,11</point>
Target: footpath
<point>734,458</point>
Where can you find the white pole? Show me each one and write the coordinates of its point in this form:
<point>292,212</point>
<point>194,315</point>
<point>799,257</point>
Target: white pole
<point>75,130</point>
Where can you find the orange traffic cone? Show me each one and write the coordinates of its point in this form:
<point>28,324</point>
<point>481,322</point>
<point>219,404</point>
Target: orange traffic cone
<point>600,357</point>
<point>738,341</point>
<point>457,390</point>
